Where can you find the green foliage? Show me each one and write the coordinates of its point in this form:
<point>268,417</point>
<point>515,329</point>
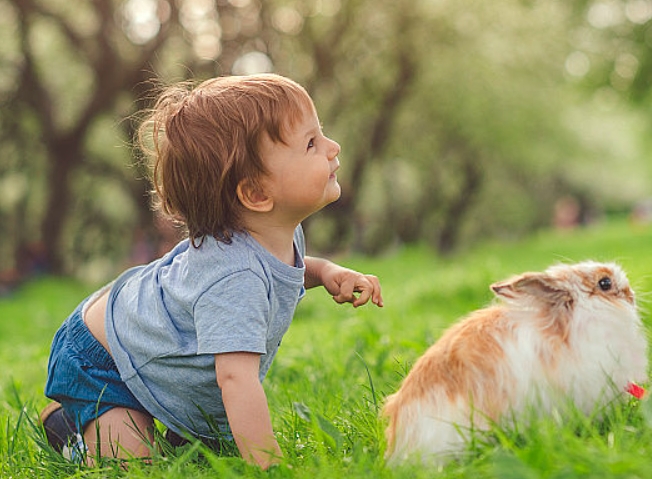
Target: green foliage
<point>336,364</point>
<point>458,120</point>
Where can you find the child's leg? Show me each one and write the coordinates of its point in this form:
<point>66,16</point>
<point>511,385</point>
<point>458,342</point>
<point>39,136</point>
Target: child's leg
<point>120,433</point>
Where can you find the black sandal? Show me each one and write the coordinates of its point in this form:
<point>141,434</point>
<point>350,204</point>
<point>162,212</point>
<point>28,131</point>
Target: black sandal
<point>60,429</point>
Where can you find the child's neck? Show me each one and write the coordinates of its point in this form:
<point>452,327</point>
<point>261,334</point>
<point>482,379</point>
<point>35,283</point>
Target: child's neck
<point>278,240</point>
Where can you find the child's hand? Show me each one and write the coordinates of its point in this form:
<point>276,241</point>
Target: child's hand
<point>348,286</point>
<point>345,285</point>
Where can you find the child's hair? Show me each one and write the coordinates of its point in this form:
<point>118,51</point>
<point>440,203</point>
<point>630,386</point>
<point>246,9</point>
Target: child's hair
<point>204,140</point>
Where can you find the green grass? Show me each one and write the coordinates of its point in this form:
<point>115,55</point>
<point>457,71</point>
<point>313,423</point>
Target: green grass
<point>336,364</point>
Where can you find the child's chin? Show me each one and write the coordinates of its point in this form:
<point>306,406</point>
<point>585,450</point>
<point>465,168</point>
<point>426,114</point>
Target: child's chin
<point>336,197</point>
<point>337,189</point>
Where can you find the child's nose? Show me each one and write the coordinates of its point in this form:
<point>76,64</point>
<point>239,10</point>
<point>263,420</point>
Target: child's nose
<point>334,150</point>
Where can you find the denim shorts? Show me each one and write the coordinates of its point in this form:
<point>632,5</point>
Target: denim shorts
<point>82,375</point>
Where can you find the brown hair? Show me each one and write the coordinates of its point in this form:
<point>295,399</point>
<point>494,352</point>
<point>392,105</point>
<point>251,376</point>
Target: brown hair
<point>204,140</point>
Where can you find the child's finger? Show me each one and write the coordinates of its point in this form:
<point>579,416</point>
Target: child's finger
<point>376,296</point>
<point>371,290</point>
<point>345,293</point>
<point>363,297</point>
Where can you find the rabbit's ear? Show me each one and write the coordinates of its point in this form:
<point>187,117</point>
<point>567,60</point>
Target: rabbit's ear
<point>533,287</point>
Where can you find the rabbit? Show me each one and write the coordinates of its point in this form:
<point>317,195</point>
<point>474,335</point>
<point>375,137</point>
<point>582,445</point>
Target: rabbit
<point>571,333</point>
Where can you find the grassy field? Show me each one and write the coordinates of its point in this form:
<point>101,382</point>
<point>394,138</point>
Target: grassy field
<point>337,364</point>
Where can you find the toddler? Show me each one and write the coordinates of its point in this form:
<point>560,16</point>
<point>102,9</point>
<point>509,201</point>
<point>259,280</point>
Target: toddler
<point>188,338</point>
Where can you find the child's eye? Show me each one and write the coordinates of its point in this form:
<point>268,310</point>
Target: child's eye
<point>311,143</point>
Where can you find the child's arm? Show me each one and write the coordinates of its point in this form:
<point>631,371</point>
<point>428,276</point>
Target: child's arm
<point>246,407</point>
<point>342,283</point>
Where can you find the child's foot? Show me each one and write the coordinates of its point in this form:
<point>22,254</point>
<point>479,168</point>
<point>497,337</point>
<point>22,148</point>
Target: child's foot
<point>174,439</point>
<point>60,430</point>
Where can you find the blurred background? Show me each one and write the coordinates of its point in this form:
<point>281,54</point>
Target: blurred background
<point>459,120</point>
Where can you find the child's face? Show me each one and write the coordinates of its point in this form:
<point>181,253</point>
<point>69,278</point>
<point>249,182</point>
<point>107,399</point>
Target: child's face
<point>301,176</point>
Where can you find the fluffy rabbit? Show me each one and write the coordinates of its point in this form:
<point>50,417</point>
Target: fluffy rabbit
<point>569,333</point>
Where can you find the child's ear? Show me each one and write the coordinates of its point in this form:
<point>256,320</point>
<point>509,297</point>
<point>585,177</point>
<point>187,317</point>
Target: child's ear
<point>253,197</point>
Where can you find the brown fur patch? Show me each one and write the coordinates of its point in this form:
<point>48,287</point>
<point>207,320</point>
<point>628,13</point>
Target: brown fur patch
<point>462,364</point>
<point>618,291</point>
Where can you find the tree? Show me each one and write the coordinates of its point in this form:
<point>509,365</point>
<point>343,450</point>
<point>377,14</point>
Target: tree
<point>436,104</point>
<point>111,53</point>
<point>453,116</point>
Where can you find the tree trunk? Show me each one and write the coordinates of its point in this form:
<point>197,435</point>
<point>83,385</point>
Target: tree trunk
<point>65,155</point>
<point>380,132</point>
<point>459,207</point>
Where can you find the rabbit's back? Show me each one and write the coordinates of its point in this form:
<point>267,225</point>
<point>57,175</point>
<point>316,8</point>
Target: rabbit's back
<point>480,368</point>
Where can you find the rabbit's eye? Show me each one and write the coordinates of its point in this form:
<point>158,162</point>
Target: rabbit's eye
<point>605,284</point>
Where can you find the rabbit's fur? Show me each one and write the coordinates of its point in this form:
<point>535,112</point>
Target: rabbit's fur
<point>569,333</point>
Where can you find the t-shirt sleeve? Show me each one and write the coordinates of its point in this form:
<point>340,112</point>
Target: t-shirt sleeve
<point>300,241</point>
<point>232,315</point>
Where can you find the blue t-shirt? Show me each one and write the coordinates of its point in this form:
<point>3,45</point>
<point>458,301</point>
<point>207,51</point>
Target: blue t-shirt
<point>165,321</point>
